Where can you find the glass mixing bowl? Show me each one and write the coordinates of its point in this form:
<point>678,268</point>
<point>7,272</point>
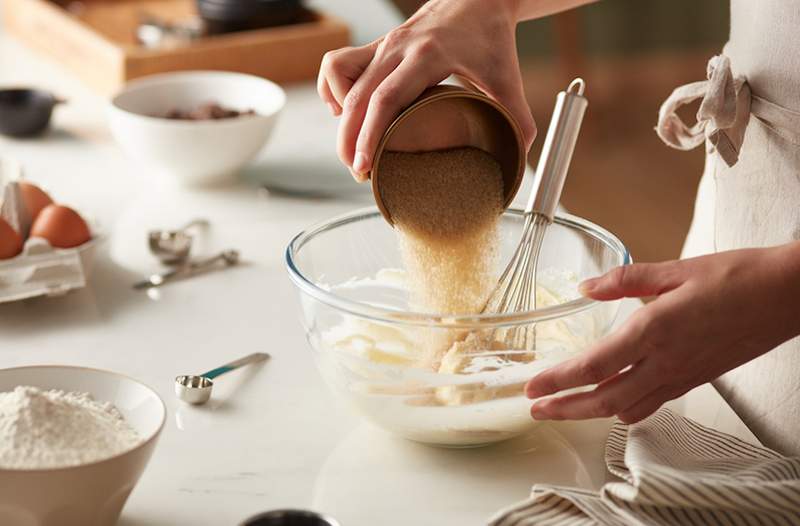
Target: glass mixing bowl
<point>366,340</point>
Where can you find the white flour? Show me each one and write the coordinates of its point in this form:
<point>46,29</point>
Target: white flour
<point>51,429</point>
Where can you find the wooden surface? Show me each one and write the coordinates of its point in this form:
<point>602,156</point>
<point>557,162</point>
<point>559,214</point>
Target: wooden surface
<point>50,30</point>
<point>116,20</point>
<point>97,42</point>
<point>283,54</point>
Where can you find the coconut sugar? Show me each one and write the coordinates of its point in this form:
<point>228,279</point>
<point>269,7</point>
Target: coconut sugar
<point>446,207</point>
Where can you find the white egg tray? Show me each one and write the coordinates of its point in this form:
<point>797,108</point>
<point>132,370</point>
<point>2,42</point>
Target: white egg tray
<point>40,269</point>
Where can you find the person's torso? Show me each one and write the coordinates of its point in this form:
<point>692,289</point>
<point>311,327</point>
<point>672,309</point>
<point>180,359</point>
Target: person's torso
<point>757,201</point>
<point>764,46</point>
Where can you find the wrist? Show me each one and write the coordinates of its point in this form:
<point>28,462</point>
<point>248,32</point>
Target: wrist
<point>477,10</point>
<point>510,10</point>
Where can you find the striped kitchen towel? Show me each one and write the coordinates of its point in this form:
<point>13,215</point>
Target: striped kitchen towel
<point>673,471</point>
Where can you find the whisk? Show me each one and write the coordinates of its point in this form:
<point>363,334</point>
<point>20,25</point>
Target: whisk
<point>516,288</point>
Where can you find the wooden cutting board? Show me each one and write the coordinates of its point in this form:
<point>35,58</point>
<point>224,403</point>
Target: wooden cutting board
<point>96,40</point>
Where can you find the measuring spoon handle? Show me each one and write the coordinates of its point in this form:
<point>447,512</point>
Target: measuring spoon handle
<point>251,358</point>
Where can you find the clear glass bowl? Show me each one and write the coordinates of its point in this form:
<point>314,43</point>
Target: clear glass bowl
<point>365,339</point>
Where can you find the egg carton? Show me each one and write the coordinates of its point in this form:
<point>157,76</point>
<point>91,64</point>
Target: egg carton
<point>40,269</point>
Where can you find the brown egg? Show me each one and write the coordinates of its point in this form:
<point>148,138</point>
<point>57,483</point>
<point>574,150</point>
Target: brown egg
<point>35,198</point>
<point>10,241</point>
<point>61,226</point>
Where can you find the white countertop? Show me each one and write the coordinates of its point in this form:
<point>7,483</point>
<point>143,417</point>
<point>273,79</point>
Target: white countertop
<point>273,436</point>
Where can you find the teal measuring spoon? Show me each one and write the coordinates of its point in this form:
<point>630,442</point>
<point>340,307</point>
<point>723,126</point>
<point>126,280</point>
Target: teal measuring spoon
<point>196,389</point>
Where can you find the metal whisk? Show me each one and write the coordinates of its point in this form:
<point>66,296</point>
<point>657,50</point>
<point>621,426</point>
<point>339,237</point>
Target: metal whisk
<point>516,288</point>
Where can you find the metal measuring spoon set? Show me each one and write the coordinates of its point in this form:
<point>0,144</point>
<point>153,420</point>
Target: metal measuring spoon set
<point>173,249</point>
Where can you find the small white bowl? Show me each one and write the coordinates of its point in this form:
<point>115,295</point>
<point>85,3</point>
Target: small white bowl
<point>195,152</point>
<point>90,494</point>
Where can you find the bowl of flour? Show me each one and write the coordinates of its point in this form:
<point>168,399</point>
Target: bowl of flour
<point>73,443</point>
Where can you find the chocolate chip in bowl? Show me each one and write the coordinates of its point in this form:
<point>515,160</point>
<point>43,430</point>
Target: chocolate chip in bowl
<point>166,122</point>
<point>207,111</point>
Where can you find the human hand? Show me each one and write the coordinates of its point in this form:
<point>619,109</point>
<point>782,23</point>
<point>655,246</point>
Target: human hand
<point>712,314</point>
<point>369,85</point>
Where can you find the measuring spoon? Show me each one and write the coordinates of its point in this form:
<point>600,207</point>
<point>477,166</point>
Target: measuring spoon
<point>172,247</point>
<point>196,389</point>
<point>228,257</point>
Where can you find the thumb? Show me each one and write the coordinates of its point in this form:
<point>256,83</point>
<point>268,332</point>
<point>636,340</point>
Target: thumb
<point>634,281</point>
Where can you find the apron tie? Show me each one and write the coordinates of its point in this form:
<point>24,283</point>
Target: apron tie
<point>721,119</point>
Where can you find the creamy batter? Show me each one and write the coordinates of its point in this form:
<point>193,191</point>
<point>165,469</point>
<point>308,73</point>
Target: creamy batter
<point>474,394</point>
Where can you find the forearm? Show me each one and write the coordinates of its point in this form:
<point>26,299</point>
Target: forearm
<point>532,9</point>
<point>524,9</point>
<point>785,266</point>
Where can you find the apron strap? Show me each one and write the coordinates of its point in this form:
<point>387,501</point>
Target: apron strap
<point>723,115</point>
<point>721,119</point>
<point>782,121</point>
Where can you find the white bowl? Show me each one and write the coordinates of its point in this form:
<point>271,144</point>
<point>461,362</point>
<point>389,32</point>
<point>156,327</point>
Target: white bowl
<point>90,494</point>
<point>195,152</point>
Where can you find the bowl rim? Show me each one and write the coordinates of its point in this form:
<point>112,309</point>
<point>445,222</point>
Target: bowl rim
<point>381,314</point>
<point>148,80</point>
<point>144,443</point>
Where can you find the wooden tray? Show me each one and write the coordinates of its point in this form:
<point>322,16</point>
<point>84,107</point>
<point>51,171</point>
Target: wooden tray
<point>98,41</point>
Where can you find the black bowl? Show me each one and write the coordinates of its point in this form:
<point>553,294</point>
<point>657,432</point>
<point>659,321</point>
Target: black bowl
<point>289,518</point>
<point>25,112</point>
<point>224,16</point>
<point>250,14</point>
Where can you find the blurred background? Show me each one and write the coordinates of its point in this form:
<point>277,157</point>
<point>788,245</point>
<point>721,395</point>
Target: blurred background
<point>632,53</point>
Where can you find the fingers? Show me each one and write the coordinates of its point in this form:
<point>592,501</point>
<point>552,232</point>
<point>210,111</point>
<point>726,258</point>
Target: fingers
<point>607,358</point>
<point>338,72</point>
<point>609,398</point>
<point>323,87</point>
<point>635,281</point>
<point>516,104</point>
<point>650,403</point>
<point>325,94</point>
<point>509,92</point>
<point>397,91</point>
<point>355,108</point>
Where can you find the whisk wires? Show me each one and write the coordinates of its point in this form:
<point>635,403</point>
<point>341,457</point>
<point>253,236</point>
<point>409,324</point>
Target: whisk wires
<point>516,288</point>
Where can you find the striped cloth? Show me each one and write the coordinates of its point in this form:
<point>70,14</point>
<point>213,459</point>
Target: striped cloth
<point>673,471</point>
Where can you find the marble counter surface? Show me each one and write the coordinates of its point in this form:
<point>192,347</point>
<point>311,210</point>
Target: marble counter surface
<point>272,436</point>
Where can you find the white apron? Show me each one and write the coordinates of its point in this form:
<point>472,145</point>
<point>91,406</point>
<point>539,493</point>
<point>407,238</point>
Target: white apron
<point>749,195</point>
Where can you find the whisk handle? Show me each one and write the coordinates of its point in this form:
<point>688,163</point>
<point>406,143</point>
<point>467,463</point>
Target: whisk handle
<point>559,144</point>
